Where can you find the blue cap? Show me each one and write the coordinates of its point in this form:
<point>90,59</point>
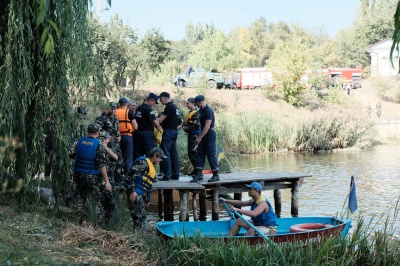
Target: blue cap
<point>255,185</point>
<point>123,100</point>
<point>199,98</point>
<point>153,96</point>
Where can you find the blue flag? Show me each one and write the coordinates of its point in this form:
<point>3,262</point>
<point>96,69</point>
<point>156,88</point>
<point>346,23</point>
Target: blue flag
<point>352,196</point>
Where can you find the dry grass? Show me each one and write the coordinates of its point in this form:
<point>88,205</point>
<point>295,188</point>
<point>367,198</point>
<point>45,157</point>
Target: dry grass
<point>97,245</point>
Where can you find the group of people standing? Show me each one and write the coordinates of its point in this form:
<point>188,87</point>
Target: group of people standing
<point>121,149</point>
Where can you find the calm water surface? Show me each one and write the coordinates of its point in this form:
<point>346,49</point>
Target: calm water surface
<point>376,172</point>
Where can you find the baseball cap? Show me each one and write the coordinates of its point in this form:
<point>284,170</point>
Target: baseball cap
<point>153,96</point>
<point>191,100</point>
<point>94,127</point>
<point>104,134</point>
<point>199,98</point>
<point>123,100</point>
<point>255,185</point>
<point>157,152</point>
<point>165,94</point>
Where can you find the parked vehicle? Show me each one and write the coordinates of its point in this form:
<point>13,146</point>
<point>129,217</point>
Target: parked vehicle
<point>196,77</point>
<point>345,76</point>
<point>253,78</point>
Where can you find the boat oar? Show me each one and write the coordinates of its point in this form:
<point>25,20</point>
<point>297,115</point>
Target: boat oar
<point>227,209</point>
<point>266,238</point>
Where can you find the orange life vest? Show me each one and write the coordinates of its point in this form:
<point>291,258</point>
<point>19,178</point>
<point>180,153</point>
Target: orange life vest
<point>125,125</point>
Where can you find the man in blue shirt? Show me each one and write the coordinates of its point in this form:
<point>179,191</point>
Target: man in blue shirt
<point>261,212</point>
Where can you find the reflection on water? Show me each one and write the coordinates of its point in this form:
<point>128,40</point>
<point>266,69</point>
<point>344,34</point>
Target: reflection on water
<point>376,172</point>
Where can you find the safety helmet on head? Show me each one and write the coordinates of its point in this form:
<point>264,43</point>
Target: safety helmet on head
<point>94,127</point>
<point>158,153</point>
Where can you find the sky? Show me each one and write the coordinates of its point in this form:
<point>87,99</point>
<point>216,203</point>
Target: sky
<point>171,16</point>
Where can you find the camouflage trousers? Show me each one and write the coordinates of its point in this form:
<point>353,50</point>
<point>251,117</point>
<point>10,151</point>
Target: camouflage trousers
<point>108,201</point>
<point>88,192</point>
<point>138,212</point>
<point>191,144</point>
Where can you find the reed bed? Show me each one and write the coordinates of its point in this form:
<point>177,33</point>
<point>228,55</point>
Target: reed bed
<point>260,132</point>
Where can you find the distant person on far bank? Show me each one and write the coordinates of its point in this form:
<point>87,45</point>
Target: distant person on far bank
<point>206,141</point>
<point>261,212</point>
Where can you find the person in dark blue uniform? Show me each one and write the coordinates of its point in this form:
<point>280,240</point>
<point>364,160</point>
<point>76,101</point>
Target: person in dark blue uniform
<point>261,212</point>
<point>206,141</point>
<point>169,120</point>
<point>146,120</point>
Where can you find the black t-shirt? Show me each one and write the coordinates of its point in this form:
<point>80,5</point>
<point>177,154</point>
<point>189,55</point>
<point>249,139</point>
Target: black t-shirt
<point>172,114</point>
<point>145,117</point>
<point>206,114</point>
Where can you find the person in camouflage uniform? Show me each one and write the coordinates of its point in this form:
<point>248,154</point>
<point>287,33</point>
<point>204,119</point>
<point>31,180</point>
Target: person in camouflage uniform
<point>110,123</point>
<point>139,181</point>
<point>108,196</point>
<point>81,122</point>
<point>191,125</point>
<point>90,161</point>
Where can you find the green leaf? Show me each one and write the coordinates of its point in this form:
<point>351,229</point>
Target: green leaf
<point>54,26</point>
<point>44,36</point>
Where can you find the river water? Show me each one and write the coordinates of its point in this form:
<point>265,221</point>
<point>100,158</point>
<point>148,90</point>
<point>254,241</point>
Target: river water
<point>376,172</point>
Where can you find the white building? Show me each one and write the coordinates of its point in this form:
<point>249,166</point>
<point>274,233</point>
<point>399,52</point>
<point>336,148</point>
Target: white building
<point>380,59</point>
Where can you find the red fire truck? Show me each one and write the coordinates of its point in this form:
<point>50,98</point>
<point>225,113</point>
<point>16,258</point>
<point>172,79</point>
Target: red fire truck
<point>345,76</point>
<point>253,78</point>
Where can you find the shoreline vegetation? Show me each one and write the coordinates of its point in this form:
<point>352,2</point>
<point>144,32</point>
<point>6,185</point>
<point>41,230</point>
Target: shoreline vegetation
<point>35,236</point>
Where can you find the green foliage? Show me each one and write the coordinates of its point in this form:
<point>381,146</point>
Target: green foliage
<point>262,132</point>
<point>215,52</point>
<point>36,84</point>
<point>335,95</point>
<point>289,62</point>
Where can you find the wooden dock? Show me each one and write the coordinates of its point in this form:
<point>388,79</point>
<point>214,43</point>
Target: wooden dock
<point>229,183</point>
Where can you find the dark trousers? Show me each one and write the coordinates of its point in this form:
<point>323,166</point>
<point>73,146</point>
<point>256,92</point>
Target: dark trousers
<point>207,147</point>
<point>170,165</point>
<point>126,145</point>
<point>144,142</point>
<point>191,144</point>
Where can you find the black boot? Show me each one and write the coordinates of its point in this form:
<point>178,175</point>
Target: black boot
<point>215,177</point>
<point>193,173</point>
<point>198,177</point>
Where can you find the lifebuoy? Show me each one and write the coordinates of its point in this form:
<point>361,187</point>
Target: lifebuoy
<point>308,227</point>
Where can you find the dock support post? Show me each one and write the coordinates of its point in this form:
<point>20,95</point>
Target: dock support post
<point>237,196</point>
<point>168,205</point>
<point>183,214</point>
<point>160,205</point>
<point>215,205</point>
<point>194,206</point>
<point>203,206</point>
<point>295,199</point>
<point>278,202</point>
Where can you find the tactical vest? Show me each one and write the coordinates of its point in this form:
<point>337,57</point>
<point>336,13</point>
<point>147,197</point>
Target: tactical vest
<point>125,125</point>
<point>85,161</point>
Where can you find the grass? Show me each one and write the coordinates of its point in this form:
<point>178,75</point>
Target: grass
<point>35,235</point>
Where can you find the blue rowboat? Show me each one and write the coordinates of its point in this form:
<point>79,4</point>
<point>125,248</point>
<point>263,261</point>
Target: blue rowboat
<point>308,230</point>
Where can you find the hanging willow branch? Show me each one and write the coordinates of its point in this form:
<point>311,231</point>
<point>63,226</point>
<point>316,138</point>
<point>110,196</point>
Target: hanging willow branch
<point>46,64</point>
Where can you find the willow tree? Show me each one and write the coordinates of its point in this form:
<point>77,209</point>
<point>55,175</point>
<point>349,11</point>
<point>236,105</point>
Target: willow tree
<point>46,63</point>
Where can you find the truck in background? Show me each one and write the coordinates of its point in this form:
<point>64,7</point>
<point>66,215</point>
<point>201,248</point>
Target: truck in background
<point>347,77</point>
<point>252,78</point>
